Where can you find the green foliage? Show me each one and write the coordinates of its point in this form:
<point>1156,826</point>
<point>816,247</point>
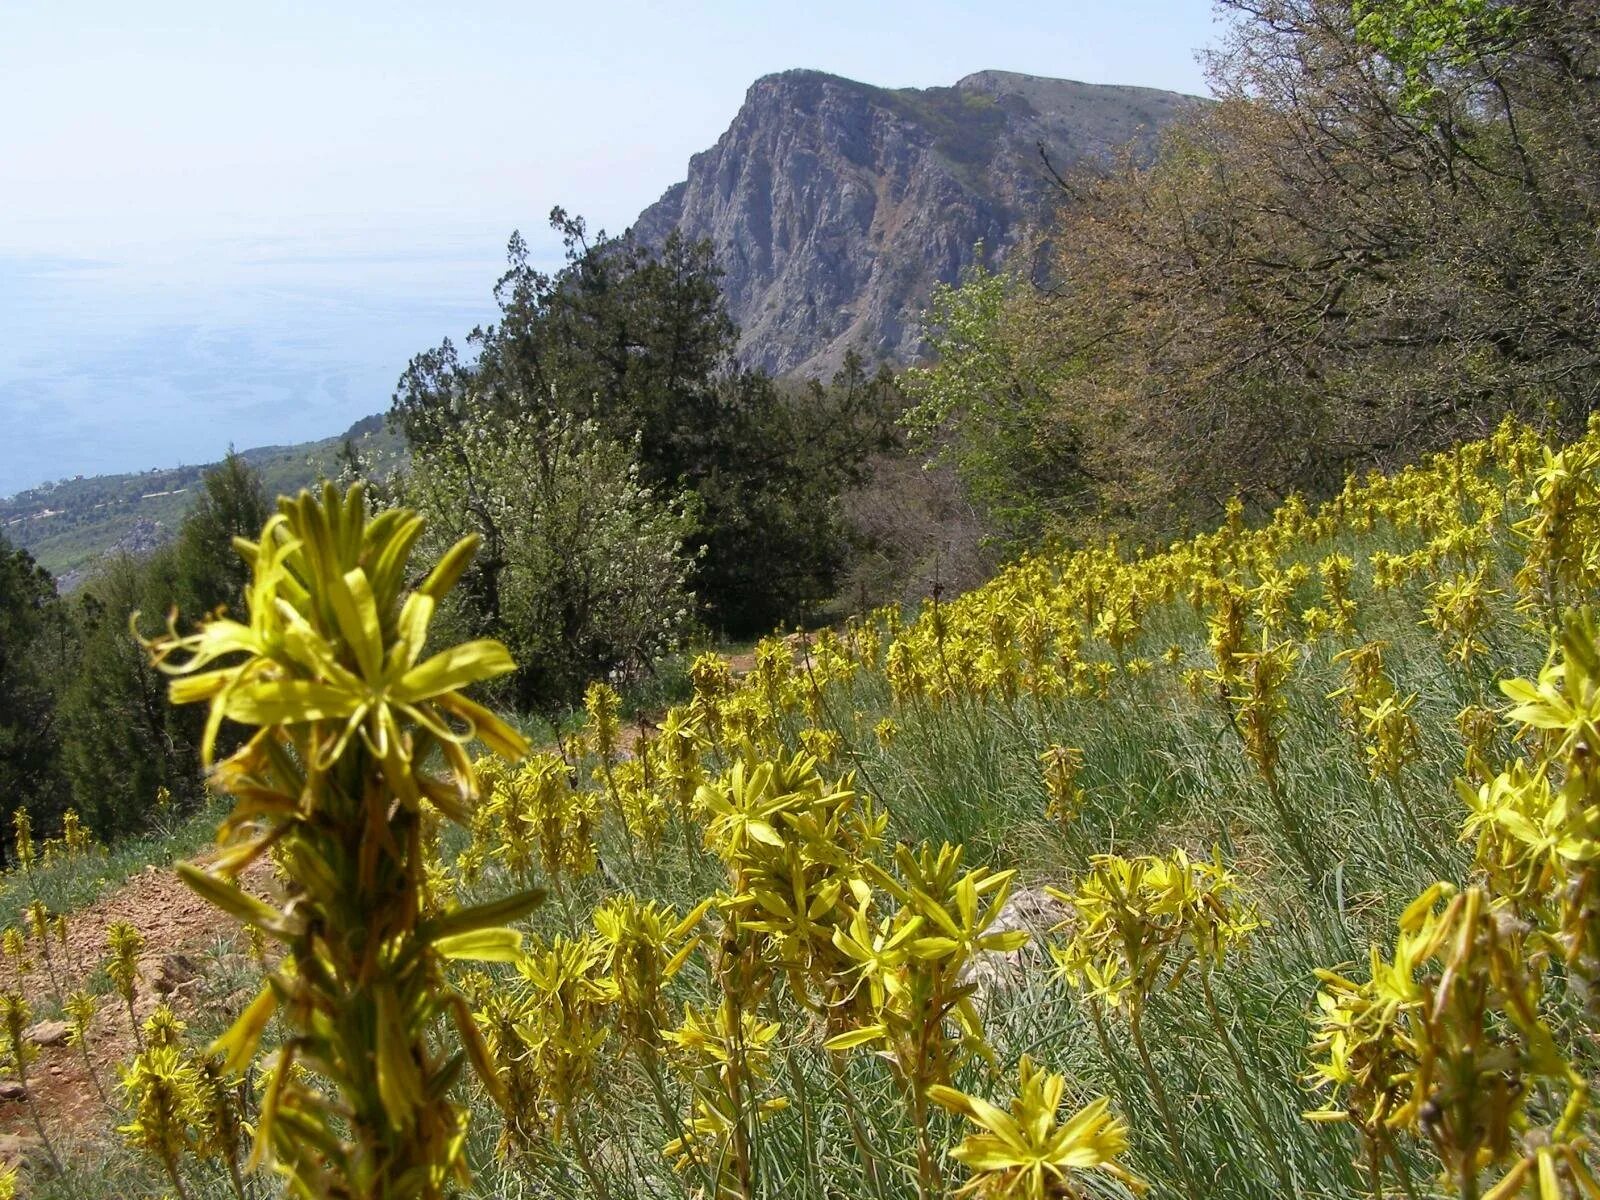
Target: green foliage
<point>35,643</point>
<point>776,540</point>
<point>1425,39</point>
<point>1376,243</point>
<point>638,341</point>
<point>121,741</point>
<point>232,503</point>
<point>584,571</point>
<point>982,405</point>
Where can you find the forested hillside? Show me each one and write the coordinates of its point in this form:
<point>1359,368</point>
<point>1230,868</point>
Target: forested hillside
<point>69,525</point>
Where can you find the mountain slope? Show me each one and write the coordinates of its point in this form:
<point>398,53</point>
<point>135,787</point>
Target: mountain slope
<point>69,525</point>
<point>835,206</point>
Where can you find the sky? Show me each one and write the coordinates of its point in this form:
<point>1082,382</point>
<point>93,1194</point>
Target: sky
<point>233,224</point>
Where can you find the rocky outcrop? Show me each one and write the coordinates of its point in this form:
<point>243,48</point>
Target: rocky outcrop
<point>834,206</point>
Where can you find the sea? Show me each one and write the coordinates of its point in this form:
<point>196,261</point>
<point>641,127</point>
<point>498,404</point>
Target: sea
<point>166,354</point>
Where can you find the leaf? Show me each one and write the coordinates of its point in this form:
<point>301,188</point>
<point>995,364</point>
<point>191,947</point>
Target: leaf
<point>289,702</point>
<point>481,945</point>
<point>238,1045</point>
<point>472,1039</point>
<point>494,733</point>
<point>455,668</point>
<point>357,614</point>
<point>481,916</point>
<point>932,948</point>
<point>399,1079</point>
<point>856,1037</point>
<point>234,901</point>
<point>448,570</point>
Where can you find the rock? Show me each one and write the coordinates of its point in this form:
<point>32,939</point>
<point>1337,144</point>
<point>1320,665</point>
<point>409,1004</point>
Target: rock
<point>176,971</point>
<point>1031,909</point>
<point>10,1089</point>
<point>833,207</point>
<point>49,1033</point>
<point>17,1148</point>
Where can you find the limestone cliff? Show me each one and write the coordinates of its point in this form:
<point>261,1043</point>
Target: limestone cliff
<point>835,206</point>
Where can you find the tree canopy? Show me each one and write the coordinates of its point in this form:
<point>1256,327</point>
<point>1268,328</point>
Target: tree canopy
<point>637,341</point>
<point>1379,240</point>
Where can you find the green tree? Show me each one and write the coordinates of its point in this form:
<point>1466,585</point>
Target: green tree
<point>121,740</point>
<point>1378,242</point>
<point>776,536</point>
<point>631,337</point>
<point>582,570</point>
<point>34,643</point>
<point>208,569</point>
<point>982,405</point>
<point>638,341</point>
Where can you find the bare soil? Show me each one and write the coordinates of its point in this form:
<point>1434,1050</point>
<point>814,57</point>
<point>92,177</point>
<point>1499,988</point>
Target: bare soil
<point>183,935</point>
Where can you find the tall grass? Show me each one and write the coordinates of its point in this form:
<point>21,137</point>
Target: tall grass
<point>1330,861</point>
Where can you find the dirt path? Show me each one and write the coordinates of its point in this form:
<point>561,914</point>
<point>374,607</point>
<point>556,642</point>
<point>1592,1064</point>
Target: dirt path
<point>183,934</point>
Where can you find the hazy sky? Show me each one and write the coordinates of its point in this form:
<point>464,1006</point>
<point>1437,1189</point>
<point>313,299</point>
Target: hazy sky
<point>233,223</point>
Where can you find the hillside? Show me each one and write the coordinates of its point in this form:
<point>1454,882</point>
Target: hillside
<point>835,206</point>
<point>1134,821</point>
<point>70,524</point>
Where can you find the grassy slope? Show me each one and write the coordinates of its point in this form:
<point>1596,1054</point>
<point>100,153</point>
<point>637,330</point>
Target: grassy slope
<point>1161,769</point>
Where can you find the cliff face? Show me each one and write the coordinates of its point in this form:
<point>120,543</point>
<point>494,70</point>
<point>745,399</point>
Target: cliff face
<point>835,206</point>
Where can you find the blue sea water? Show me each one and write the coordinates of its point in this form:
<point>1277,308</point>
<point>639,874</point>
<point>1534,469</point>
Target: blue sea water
<point>166,355</point>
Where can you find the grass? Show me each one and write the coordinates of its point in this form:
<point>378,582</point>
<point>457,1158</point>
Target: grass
<point>1160,770</point>
<point>1330,861</point>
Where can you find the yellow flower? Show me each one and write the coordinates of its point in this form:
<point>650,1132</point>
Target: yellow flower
<point>361,746</point>
<point>332,646</point>
<point>1028,1153</point>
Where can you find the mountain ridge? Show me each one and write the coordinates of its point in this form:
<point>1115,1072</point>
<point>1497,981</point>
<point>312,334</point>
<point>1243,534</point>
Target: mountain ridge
<point>835,206</point>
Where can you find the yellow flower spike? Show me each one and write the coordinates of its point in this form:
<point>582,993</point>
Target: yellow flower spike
<point>1459,613</point>
<point>642,946</point>
<point>163,1028</point>
<point>341,781</point>
<point>170,1115</point>
<point>1061,765</point>
<point>1132,916</point>
<point>22,840</point>
<point>1446,1042</point>
<point>1392,736</point>
<point>602,706</point>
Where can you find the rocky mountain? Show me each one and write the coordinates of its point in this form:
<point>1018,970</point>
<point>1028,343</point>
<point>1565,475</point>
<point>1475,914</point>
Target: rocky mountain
<point>835,206</point>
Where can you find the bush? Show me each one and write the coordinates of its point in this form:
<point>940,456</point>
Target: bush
<point>582,573</point>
